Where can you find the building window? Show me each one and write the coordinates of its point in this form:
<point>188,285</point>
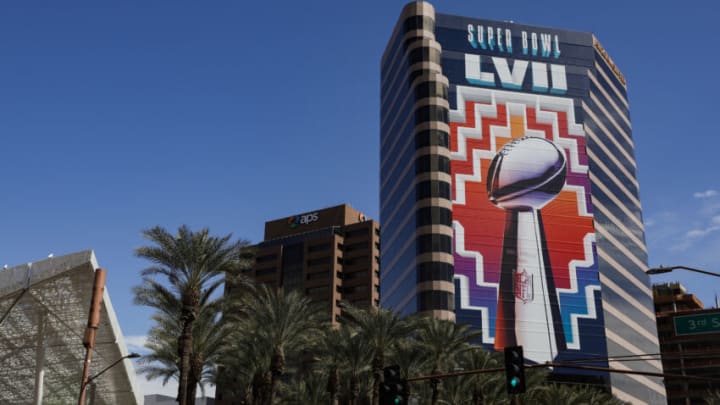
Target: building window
<point>355,233</point>
<point>355,290</point>
<point>266,258</point>
<point>432,137</point>
<point>323,275</point>
<point>359,245</point>
<point>319,261</point>
<point>436,300</point>
<point>264,272</point>
<point>318,248</point>
<point>431,89</point>
<point>434,243</point>
<point>432,163</point>
<point>433,216</point>
<point>419,22</point>
<point>435,271</point>
<point>354,275</point>
<point>424,54</point>
<point>432,189</point>
<point>431,113</point>
<point>323,290</point>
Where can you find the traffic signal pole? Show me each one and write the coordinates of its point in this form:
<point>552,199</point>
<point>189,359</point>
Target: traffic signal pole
<point>564,365</point>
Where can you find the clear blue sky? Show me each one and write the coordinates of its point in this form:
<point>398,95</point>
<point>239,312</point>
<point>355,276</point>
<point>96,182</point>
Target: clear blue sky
<point>118,116</point>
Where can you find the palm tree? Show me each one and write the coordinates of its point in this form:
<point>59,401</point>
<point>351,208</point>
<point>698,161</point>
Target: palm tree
<point>473,388</point>
<point>574,394</point>
<point>284,323</point>
<point>191,263</point>
<point>343,349</point>
<point>163,360</point>
<point>411,359</point>
<point>443,341</point>
<point>713,397</point>
<point>382,329</point>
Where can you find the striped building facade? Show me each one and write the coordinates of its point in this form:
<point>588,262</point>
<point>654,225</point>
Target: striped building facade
<point>509,193</point>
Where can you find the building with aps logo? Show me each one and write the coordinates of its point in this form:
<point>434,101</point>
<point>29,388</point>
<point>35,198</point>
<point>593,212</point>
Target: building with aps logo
<point>509,195</point>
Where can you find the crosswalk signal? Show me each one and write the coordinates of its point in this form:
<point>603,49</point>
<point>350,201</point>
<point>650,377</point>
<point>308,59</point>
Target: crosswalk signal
<point>394,389</point>
<point>514,370</point>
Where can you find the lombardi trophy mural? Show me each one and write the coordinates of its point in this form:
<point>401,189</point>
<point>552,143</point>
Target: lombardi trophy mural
<point>525,175</point>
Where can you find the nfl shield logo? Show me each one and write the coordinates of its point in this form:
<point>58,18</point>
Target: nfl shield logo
<point>523,286</point>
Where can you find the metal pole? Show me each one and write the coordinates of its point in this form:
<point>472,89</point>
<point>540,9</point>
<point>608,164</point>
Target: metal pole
<point>40,360</point>
<point>91,329</point>
<point>93,393</point>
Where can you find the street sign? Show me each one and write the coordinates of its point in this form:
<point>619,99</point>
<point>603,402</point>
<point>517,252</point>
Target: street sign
<point>697,324</point>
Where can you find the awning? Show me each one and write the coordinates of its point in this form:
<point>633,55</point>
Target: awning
<point>44,309</point>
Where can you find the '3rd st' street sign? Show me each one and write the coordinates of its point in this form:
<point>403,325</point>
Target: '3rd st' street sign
<point>697,324</point>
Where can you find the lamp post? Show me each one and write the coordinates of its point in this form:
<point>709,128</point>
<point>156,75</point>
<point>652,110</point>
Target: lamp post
<point>667,269</point>
<point>91,380</point>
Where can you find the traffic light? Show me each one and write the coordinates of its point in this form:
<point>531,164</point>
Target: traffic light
<point>394,389</point>
<point>514,370</point>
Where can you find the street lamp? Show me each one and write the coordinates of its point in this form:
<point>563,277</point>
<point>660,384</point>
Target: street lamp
<point>91,380</point>
<point>667,269</point>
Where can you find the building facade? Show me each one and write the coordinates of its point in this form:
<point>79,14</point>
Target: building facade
<point>331,255</point>
<point>689,343</point>
<point>509,195</point>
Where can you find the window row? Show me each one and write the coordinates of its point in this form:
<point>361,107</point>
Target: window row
<point>435,271</point>
<point>434,300</point>
<point>432,163</point>
<point>433,243</point>
<point>431,113</point>
<point>433,216</point>
<point>432,189</point>
<point>431,89</point>
<point>424,54</point>
<point>419,22</point>
<point>432,137</point>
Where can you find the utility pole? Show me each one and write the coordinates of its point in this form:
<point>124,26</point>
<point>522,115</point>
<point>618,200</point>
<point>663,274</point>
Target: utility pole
<point>91,329</point>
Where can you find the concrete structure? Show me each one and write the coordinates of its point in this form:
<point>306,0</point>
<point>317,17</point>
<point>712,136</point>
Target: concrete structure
<point>686,352</point>
<point>539,246</point>
<point>44,310</point>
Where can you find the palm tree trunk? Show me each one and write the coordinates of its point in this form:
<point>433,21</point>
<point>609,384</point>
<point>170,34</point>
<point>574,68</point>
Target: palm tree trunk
<point>277,366</point>
<point>194,377</point>
<point>184,349</point>
<point>377,366</point>
<point>258,387</point>
<point>332,386</point>
<point>435,386</point>
<point>354,390</point>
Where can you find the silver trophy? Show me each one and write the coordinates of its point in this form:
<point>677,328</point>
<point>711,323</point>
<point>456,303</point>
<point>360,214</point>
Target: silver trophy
<point>525,175</point>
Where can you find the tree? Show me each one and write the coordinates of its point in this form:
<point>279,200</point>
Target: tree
<point>283,324</point>
<point>191,264</point>
<point>574,394</point>
<point>473,388</point>
<point>382,329</point>
<point>163,360</point>
<point>344,349</point>
<point>443,341</point>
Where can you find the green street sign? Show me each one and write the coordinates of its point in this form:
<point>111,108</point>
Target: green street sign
<point>697,324</point>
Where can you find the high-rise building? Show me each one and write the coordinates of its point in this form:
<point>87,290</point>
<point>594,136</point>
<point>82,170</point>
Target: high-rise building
<point>331,255</point>
<point>508,192</point>
<point>689,343</point>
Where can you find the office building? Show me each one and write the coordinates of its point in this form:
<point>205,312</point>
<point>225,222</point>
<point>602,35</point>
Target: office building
<point>689,342</point>
<point>332,255</point>
<point>508,192</point>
